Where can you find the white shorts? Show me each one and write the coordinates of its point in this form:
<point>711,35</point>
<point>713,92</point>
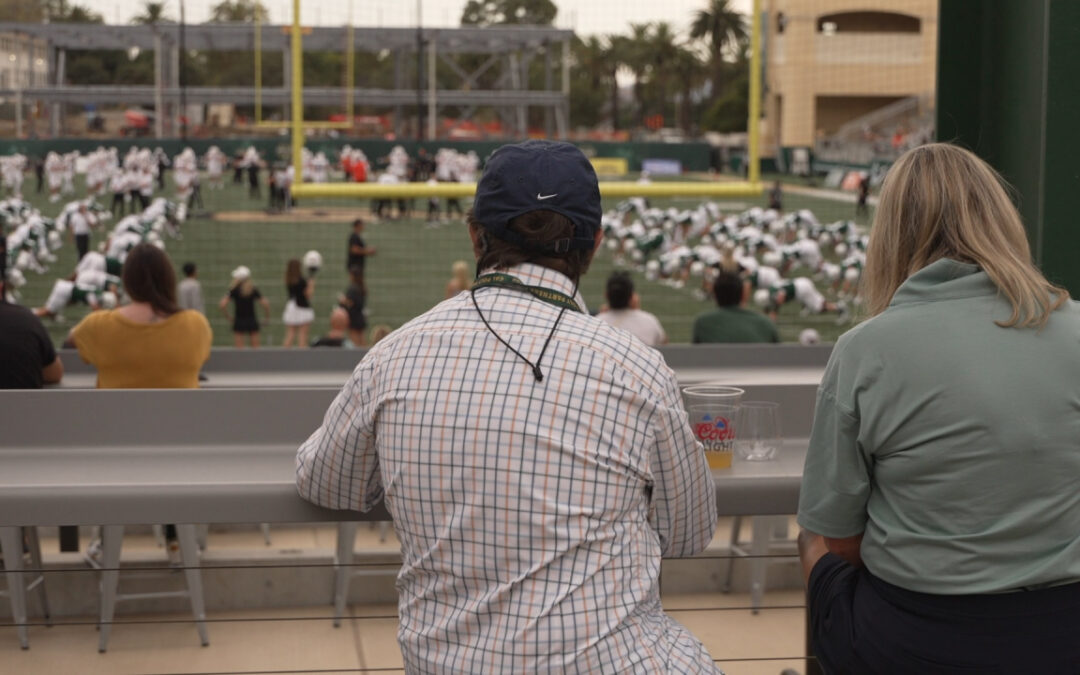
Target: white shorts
<point>297,316</point>
<point>808,295</point>
<point>60,296</point>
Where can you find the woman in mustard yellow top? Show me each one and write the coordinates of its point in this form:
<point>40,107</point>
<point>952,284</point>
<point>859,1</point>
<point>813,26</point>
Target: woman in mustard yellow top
<point>150,343</point>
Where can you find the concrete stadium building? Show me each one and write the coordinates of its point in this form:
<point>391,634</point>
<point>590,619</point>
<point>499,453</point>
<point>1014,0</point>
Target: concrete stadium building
<point>839,73</point>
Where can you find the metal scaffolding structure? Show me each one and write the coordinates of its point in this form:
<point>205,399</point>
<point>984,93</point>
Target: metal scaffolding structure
<point>510,51</point>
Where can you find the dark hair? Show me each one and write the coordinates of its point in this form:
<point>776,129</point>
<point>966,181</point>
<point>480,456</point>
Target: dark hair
<point>358,221</point>
<point>728,289</point>
<point>541,227</point>
<point>620,288</point>
<point>292,272</point>
<point>189,269</point>
<point>148,277</point>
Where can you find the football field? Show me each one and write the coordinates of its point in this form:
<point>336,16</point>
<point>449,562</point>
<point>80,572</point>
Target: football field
<point>408,274</point>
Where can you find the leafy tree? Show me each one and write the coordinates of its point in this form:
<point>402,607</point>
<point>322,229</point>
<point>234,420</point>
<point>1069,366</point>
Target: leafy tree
<point>61,11</point>
<point>152,13</point>
<point>722,27</point>
<point>21,11</point>
<point>636,54</point>
<point>590,79</point>
<point>689,73</point>
<point>728,113</point>
<point>495,12</point>
<point>239,11</point>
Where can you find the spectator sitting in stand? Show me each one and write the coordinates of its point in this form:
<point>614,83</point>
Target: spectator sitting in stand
<point>29,359</point>
<point>336,336</point>
<point>624,311</point>
<point>730,322</point>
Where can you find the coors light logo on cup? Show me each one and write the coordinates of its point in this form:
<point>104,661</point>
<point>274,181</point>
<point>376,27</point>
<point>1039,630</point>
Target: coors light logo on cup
<point>717,434</point>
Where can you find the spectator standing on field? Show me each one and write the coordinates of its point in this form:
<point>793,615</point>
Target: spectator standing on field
<point>189,292</point>
<point>353,301</point>
<point>243,294</point>
<point>80,222</point>
<point>358,251</point>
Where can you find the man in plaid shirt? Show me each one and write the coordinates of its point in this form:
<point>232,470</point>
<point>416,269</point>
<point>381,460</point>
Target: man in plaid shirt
<point>536,461</point>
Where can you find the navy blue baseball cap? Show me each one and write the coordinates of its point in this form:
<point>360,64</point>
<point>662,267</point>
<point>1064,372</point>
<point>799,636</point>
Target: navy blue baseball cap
<point>539,176</point>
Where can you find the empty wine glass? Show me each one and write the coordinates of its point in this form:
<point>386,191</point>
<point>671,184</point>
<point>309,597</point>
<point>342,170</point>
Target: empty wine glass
<point>759,436</point>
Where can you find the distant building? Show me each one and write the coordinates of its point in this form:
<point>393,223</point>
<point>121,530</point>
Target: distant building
<point>848,73</point>
<point>24,61</point>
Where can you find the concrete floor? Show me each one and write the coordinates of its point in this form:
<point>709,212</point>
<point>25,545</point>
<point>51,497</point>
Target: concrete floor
<point>302,639</point>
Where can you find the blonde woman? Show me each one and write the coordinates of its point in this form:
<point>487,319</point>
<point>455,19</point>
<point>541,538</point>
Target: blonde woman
<point>459,279</point>
<point>298,314</point>
<point>945,451</point>
<point>244,295</point>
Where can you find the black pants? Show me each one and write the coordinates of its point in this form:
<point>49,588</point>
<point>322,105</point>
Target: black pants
<point>452,205</point>
<point>117,204</point>
<point>82,243</point>
<point>196,196</point>
<point>861,624</point>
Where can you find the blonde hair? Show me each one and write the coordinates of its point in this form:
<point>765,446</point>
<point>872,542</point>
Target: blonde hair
<point>942,201</point>
<point>379,332</point>
<point>460,273</point>
<point>246,286</point>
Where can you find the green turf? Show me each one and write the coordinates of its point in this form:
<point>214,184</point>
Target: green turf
<point>407,276</point>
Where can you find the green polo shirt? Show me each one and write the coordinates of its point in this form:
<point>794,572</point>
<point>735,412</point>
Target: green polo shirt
<point>734,324</point>
<point>951,443</point>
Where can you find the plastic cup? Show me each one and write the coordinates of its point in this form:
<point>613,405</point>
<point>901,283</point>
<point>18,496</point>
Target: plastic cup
<point>759,431</point>
<point>712,409</point>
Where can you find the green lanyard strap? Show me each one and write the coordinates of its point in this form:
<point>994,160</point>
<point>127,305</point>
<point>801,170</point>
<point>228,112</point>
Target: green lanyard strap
<point>552,297</point>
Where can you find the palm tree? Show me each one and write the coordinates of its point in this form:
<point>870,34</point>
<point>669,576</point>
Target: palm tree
<point>238,11</point>
<point>152,13</point>
<point>662,51</point>
<point>722,26</point>
<point>690,72</point>
<point>619,54</point>
<point>637,56</point>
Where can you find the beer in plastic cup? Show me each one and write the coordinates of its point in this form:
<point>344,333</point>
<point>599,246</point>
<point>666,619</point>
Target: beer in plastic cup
<point>712,409</point>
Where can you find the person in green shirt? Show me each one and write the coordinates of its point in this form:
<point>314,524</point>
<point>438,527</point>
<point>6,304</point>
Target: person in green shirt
<point>731,322</point>
<point>939,499</point>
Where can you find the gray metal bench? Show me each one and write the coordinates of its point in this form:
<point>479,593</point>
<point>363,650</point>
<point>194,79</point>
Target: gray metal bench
<point>228,456</point>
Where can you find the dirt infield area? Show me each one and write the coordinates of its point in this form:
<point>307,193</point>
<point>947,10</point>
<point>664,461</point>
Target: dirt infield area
<point>317,214</point>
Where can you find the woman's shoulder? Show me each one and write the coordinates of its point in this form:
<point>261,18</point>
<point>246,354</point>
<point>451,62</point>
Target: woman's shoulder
<point>97,319</point>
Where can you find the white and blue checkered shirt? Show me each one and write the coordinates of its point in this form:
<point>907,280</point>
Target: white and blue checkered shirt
<point>532,515</point>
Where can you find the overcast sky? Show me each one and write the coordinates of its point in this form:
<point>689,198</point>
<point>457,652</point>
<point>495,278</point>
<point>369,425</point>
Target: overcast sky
<point>583,16</point>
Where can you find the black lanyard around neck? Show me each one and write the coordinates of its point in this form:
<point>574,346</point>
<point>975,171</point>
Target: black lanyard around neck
<point>550,296</point>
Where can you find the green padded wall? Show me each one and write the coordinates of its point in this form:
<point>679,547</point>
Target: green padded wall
<point>1007,88</point>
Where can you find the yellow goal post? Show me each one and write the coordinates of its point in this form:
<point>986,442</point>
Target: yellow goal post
<point>751,187</point>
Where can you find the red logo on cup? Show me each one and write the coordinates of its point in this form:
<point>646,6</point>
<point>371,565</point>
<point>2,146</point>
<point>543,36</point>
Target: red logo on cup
<point>714,429</point>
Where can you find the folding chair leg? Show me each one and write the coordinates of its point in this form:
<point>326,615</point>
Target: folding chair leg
<point>265,527</point>
<point>759,547</point>
<point>189,551</point>
<point>346,539</point>
<point>34,543</point>
<point>112,537</point>
<point>11,545</point>
<point>733,543</point>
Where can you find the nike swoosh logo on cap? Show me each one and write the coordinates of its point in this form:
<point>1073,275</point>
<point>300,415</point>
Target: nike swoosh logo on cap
<point>541,197</point>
